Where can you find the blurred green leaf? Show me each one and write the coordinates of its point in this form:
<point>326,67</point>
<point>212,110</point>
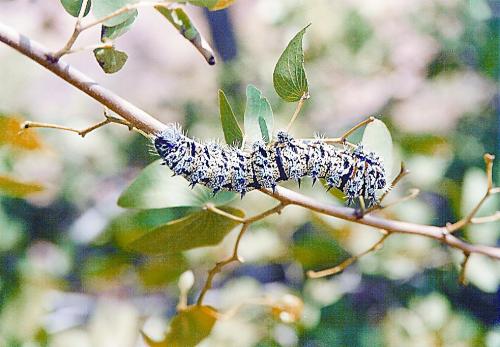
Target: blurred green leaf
<point>188,328</point>
<point>230,126</point>
<point>289,77</point>
<point>317,251</point>
<point>104,268</point>
<point>73,7</point>
<point>181,21</point>
<point>110,59</point>
<point>103,8</point>
<point>113,32</point>
<point>259,120</point>
<point>158,271</point>
<point>155,187</point>
<point>131,225</point>
<point>11,134</point>
<point>377,138</point>
<point>422,143</point>
<point>212,5</point>
<point>12,187</point>
<point>199,229</point>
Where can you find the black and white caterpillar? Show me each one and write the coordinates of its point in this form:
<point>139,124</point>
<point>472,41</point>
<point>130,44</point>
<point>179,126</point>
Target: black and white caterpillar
<point>353,171</point>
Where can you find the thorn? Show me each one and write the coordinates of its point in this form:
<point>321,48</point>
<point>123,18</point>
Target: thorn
<point>329,187</point>
<point>274,188</point>
<point>298,181</point>
<point>242,194</point>
<point>314,181</point>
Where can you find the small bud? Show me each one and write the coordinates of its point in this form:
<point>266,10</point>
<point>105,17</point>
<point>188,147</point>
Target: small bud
<point>186,281</point>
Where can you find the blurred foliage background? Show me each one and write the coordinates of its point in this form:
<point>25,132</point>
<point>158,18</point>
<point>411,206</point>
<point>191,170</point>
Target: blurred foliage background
<point>429,67</point>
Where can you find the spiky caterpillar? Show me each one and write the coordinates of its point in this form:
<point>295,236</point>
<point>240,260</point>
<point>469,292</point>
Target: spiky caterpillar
<point>353,171</point>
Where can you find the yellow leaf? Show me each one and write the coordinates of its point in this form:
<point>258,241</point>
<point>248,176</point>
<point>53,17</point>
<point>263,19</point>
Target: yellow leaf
<point>219,5</point>
<point>11,134</point>
<point>12,187</point>
<point>188,328</point>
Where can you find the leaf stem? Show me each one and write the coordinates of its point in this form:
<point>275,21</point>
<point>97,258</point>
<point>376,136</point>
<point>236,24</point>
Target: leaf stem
<point>303,98</point>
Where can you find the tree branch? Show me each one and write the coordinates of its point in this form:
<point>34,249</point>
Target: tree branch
<point>143,121</point>
<point>35,51</point>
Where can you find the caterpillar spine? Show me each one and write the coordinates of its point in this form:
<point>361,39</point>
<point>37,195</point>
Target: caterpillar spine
<point>355,172</point>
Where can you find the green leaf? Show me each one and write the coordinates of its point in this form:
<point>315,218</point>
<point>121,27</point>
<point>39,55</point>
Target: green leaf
<point>316,250</point>
<point>203,3</point>
<point>102,8</point>
<point>232,131</point>
<point>73,7</point>
<point>181,21</point>
<point>131,225</point>
<point>113,32</point>
<point>18,189</point>
<point>158,271</point>
<point>156,188</point>
<point>199,229</point>
<point>110,59</point>
<point>259,120</point>
<point>289,77</point>
<point>377,138</point>
<point>188,328</point>
<point>212,5</point>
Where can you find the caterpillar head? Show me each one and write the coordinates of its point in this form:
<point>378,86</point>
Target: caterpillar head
<point>167,140</point>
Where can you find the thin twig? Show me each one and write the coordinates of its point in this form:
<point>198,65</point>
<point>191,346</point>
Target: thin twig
<point>76,32</point>
<point>462,278</point>
<point>234,257</point>
<point>342,266</point>
<point>488,159</point>
<point>303,98</point>
<point>109,119</point>
<point>219,265</point>
<point>486,219</point>
<point>343,138</point>
<point>402,173</point>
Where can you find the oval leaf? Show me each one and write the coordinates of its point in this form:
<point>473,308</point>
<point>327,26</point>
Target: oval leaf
<point>188,328</point>
<point>259,120</point>
<point>230,126</point>
<point>17,189</point>
<point>377,138</point>
<point>113,32</point>
<point>103,8</point>
<point>131,225</point>
<point>12,135</point>
<point>110,59</point>
<point>73,7</point>
<point>156,188</point>
<point>158,271</point>
<point>181,21</point>
<point>289,77</point>
<point>199,229</point>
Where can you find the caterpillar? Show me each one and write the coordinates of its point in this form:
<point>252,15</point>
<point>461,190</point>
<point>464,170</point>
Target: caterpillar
<point>355,172</point>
